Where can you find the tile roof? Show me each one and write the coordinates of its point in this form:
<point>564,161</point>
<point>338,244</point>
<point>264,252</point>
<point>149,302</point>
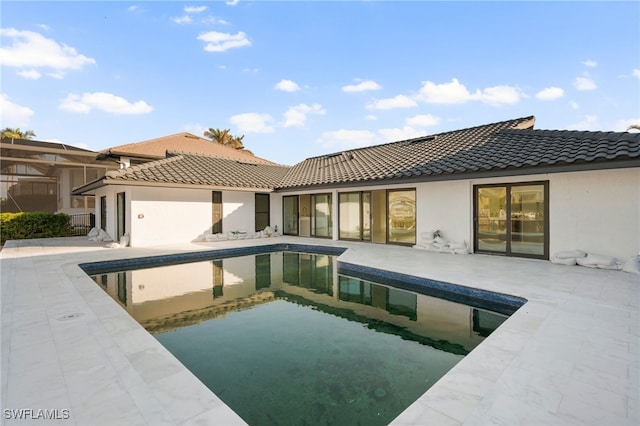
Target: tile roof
<point>502,147</point>
<point>197,169</point>
<point>182,142</point>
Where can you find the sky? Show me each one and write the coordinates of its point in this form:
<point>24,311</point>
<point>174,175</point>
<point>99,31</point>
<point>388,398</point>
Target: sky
<point>303,79</point>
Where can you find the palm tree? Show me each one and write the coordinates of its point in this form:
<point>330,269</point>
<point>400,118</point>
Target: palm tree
<point>223,137</point>
<point>17,133</point>
<point>634,126</point>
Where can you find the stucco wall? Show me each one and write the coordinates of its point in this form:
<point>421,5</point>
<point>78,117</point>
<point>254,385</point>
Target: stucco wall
<point>596,211</point>
<point>445,206</point>
<point>238,211</point>
<point>165,216</point>
<point>158,216</point>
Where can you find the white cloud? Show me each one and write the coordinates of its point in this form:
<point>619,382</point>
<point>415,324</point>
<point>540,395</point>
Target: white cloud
<point>213,20</point>
<point>297,116</point>
<point>195,9</point>
<point>106,102</point>
<point>584,83</point>
<point>13,115</point>
<point>446,93</point>
<point>456,93</point>
<point>361,87</point>
<point>589,122</point>
<point>498,95</point>
<point>133,8</point>
<point>422,120</point>
<point>33,50</point>
<point>550,94</point>
<point>370,117</point>
<point>400,101</point>
<point>219,42</point>
<point>347,139</point>
<point>622,125</point>
<point>407,132</point>
<point>232,2</point>
<point>287,86</point>
<point>589,63</point>
<point>30,74</point>
<point>574,105</point>
<point>636,72</point>
<point>253,122</point>
<point>186,19</point>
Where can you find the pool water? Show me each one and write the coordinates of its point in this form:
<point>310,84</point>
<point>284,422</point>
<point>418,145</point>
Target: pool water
<point>282,338</point>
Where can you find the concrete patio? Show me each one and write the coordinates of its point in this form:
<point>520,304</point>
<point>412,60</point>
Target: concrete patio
<point>570,356</point>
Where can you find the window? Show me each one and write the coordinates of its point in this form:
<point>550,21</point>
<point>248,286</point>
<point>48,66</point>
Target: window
<point>120,206</point>
<point>262,211</point>
<point>512,219</point>
<point>216,212</point>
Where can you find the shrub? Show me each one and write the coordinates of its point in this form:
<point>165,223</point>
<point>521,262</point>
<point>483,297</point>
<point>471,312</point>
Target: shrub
<point>20,226</point>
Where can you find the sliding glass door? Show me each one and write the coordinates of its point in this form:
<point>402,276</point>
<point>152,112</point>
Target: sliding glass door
<point>512,219</point>
<point>355,216</point>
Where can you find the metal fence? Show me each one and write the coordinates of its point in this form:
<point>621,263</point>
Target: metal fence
<point>81,224</point>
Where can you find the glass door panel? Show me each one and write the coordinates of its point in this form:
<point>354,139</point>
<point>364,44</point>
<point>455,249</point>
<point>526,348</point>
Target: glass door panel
<point>527,219</point>
<point>349,216</point>
<point>305,216</point>
<point>366,216</point>
<point>290,213</point>
<point>491,221</point>
<point>321,225</point>
<point>379,216</point>
<point>402,216</point>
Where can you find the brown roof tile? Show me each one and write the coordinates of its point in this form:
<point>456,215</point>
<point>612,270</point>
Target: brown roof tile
<point>208,170</point>
<point>498,147</point>
<point>182,142</point>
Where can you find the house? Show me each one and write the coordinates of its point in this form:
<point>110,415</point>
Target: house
<point>154,149</point>
<point>184,197</point>
<point>39,176</point>
<point>501,188</point>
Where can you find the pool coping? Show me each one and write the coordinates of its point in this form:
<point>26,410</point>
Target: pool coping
<point>568,356</point>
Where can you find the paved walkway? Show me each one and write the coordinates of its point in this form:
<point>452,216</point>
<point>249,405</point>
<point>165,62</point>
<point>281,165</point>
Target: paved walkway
<point>569,356</point>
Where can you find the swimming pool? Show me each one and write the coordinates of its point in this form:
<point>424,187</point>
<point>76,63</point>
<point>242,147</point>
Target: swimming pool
<point>288,338</point>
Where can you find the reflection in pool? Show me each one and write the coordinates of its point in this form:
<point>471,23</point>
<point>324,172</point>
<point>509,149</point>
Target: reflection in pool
<point>282,338</point>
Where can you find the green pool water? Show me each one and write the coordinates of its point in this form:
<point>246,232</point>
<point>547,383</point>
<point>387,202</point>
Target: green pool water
<point>284,340</point>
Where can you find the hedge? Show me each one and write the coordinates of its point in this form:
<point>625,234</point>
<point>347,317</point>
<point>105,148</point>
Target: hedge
<point>20,226</point>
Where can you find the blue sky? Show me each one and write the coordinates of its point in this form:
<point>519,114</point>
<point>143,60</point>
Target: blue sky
<point>301,79</point>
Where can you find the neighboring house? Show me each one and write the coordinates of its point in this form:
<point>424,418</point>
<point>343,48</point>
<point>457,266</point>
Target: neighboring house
<point>39,176</point>
<point>155,149</point>
<point>501,188</point>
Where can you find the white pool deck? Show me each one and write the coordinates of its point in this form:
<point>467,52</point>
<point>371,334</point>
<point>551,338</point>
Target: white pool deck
<point>570,356</point>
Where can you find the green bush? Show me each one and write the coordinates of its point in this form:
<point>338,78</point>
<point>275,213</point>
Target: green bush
<point>20,226</point>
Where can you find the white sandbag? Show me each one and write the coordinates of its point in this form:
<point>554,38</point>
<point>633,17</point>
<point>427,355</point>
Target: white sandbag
<point>596,259</point>
<point>441,241</point>
<point>569,261</point>
<point>113,245</point>
<point>632,265</point>
<point>93,233</point>
<point>458,245</point>
<point>429,235</point>
<point>464,250</point>
<point>568,254</point>
<point>103,236</point>
<point>428,241</point>
<point>124,240</point>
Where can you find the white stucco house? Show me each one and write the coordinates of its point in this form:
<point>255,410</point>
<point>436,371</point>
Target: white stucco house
<point>501,188</point>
